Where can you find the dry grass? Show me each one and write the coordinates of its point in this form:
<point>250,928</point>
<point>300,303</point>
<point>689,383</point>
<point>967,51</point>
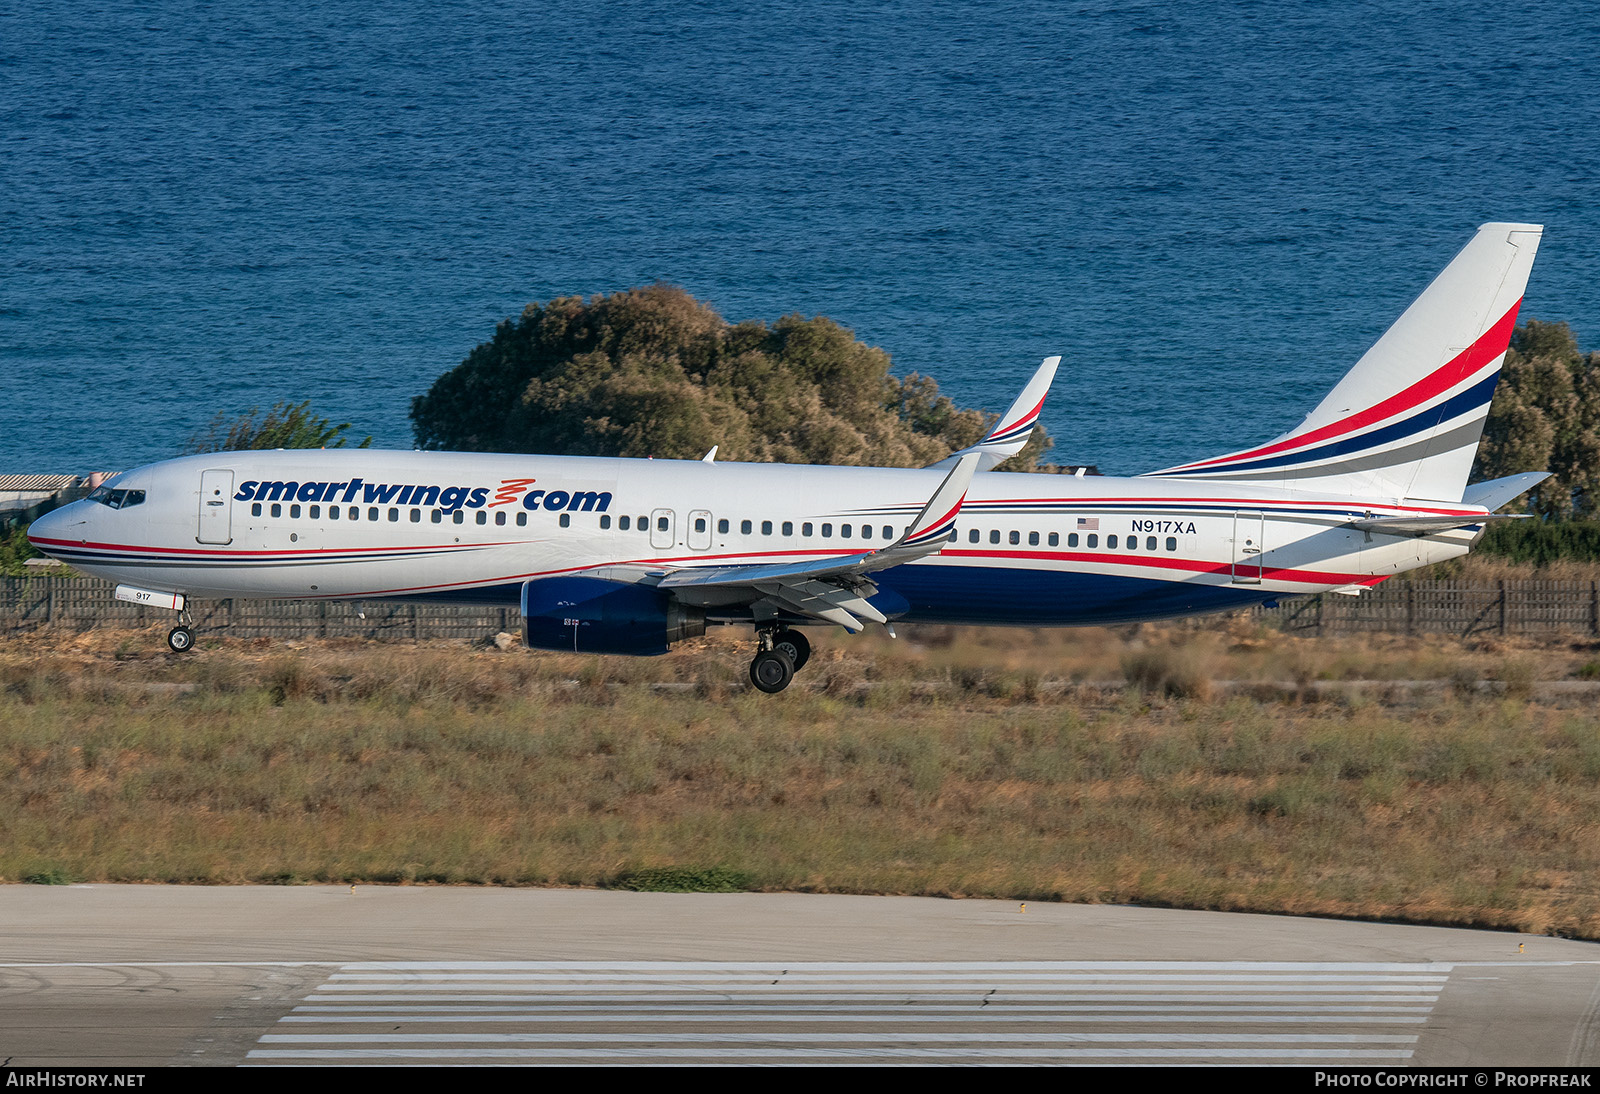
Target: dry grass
<point>968,763</point>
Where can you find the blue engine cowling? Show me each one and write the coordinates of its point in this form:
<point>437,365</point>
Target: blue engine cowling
<point>592,615</point>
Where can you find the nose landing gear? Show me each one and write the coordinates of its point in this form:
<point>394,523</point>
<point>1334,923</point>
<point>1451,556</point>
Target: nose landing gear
<point>783,652</point>
<point>180,639</point>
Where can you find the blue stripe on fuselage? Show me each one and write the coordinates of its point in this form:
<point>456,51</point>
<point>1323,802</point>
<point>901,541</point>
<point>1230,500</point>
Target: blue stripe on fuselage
<point>989,595</point>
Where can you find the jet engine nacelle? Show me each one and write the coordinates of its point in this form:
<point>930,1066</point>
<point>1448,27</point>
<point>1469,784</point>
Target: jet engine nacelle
<point>592,615</point>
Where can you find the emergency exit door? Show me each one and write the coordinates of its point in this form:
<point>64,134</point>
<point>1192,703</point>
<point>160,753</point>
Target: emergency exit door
<point>663,529</point>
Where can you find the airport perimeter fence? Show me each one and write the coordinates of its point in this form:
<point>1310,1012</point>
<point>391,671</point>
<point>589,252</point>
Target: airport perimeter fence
<point>1416,607</point>
<point>79,603</point>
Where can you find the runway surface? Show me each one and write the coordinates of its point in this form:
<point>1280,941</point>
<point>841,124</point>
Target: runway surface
<point>144,975</point>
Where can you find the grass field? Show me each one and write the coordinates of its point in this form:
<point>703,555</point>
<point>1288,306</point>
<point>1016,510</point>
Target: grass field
<point>1223,768</point>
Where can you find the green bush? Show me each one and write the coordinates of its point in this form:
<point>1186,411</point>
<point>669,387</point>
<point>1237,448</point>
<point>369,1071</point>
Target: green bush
<point>683,879</point>
<point>654,372</point>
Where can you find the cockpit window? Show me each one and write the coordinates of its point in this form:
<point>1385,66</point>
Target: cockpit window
<point>117,499</point>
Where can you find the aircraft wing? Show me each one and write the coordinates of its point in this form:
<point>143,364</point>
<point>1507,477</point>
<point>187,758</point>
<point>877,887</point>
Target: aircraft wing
<point>836,589</point>
<point>1011,432</point>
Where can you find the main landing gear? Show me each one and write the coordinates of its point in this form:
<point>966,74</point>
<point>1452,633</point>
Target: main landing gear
<point>783,652</point>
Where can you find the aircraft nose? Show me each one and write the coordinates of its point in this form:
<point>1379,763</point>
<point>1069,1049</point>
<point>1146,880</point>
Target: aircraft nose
<point>54,525</point>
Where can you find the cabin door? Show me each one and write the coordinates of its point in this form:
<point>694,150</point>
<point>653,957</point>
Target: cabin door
<point>1249,543</point>
<point>216,507</point>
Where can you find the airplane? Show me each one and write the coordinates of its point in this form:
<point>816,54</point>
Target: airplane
<point>627,556</point>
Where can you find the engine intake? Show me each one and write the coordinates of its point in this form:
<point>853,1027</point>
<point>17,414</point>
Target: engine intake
<point>593,615</point>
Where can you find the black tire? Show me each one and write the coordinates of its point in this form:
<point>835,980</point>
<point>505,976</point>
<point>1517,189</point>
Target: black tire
<point>180,639</point>
<point>794,644</point>
<point>771,671</point>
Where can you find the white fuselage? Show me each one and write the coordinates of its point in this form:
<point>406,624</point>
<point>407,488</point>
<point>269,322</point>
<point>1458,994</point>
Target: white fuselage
<point>1028,549</point>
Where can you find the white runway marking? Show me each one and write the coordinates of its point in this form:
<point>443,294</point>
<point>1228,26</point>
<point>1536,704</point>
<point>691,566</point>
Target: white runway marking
<point>859,1012</point>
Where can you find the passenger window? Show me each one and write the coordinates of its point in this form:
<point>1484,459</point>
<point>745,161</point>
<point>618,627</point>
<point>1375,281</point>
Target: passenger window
<point>294,512</point>
<point>1172,543</point>
<point>788,527</point>
<point>394,514</point>
<point>994,535</point>
<point>438,516</point>
<point>722,526</point>
<point>1149,543</point>
<point>888,532</point>
<point>1033,539</point>
<point>277,510</point>
<point>522,520</point>
<point>1133,543</point>
<point>355,512</point>
<point>827,531</point>
<point>661,524</point>
<point>972,536</point>
<point>483,518</point>
<point>416,516</point>
<point>766,527</point>
<point>1016,538</point>
<point>866,531</point>
<point>1055,539</point>
<point>566,520</point>
<point>372,513</point>
<point>622,524</point>
<point>805,529</point>
<point>500,518</point>
<point>458,516</point>
<point>1072,539</point>
<point>844,531</point>
<point>333,512</point>
<point>255,510</point>
<point>1094,540</point>
<point>605,522</point>
<point>699,524</point>
<point>644,524</point>
<point>1111,542</point>
<point>744,528</point>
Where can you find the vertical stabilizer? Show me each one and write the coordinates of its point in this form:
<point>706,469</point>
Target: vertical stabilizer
<point>1406,420</point>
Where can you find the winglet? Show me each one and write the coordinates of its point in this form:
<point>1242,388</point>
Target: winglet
<point>1011,432</point>
<point>934,524</point>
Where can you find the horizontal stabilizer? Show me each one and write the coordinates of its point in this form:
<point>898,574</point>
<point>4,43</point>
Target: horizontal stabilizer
<point>1496,492</point>
<point>1427,526</point>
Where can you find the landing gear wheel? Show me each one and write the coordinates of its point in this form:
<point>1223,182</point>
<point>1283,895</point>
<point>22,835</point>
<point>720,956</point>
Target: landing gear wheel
<point>180,639</point>
<point>771,671</point>
<point>794,644</point>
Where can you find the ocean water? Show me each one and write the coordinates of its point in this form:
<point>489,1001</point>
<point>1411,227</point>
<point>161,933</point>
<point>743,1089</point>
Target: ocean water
<point>1210,209</point>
